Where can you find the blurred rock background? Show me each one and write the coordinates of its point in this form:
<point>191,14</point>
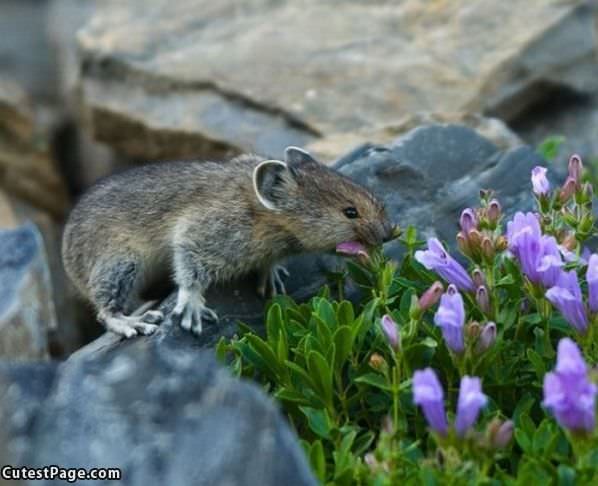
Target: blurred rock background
<point>424,100</point>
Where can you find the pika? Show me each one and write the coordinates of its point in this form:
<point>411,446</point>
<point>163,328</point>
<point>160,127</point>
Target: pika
<point>198,223</point>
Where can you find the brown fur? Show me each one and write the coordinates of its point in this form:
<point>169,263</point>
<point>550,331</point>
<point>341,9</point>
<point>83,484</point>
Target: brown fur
<point>201,222</point>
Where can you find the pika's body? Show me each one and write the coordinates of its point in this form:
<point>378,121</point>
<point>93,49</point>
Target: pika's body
<point>197,223</point>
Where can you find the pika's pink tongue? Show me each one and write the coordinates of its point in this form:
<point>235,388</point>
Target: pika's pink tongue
<point>351,248</point>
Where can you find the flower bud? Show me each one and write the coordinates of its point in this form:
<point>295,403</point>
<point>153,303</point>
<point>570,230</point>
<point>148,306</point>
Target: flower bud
<point>463,244</point>
<point>568,189</point>
<point>493,212</point>
<point>377,362</point>
<point>371,461</point>
<point>473,330</point>
<point>478,277</point>
<point>540,183</point>
<point>586,223</point>
<point>482,299</point>
<point>391,331</point>
<point>504,435</point>
<point>501,243</point>
<point>474,238</point>
<point>487,337</point>
<point>569,242</point>
<point>575,167</point>
<point>431,296</point>
<point>468,220</point>
<point>487,248</point>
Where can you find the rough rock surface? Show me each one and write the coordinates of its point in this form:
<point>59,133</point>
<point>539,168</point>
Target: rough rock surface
<point>158,408</point>
<point>27,169</point>
<point>24,52</point>
<point>26,302</point>
<point>571,116</point>
<point>213,76</point>
<point>333,146</point>
<point>57,316</point>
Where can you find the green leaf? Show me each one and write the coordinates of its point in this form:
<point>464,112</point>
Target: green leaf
<point>545,439</point>
<point>324,333</point>
<point>326,313</point>
<point>266,353</point>
<point>318,460</point>
<point>566,475</point>
<point>359,274</point>
<point>375,380</point>
<point>274,325</point>
<point>549,147</point>
<point>321,374</point>
<point>300,375</point>
<point>288,395</point>
<point>345,314</point>
<point>537,363</point>
<point>221,349</point>
<point>523,440</point>
<point>318,421</point>
<point>343,341</point>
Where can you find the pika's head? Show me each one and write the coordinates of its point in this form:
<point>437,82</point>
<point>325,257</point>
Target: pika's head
<point>317,205</point>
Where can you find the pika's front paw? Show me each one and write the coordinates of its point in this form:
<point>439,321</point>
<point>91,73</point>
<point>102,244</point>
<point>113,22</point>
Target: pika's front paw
<point>271,281</point>
<point>190,311</point>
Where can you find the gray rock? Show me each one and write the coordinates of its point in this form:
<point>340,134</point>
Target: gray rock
<point>24,50</point>
<point>260,75</point>
<point>163,412</point>
<point>54,295</point>
<point>568,115</point>
<point>27,168</point>
<point>26,304</point>
<point>332,147</point>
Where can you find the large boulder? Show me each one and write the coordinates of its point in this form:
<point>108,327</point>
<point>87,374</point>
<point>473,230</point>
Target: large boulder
<point>215,76</point>
<point>37,312</point>
<point>27,168</point>
<point>160,410</point>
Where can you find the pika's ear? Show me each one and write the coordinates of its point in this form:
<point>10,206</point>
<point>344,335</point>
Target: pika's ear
<point>271,179</point>
<point>297,156</point>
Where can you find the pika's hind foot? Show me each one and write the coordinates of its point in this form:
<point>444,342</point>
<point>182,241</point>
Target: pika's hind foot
<point>128,326</point>
<point>190,310</point>
<point>271,282</point>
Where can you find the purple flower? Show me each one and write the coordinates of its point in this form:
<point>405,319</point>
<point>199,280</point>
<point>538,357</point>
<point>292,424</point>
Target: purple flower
<point>482,299</point>
<point>450,317</point>
<point>524,235</point>
<point>471,400</point>
<point>428,394</point>
<point>468,221</point>
<point>504,434</point>
<point>568,393</point>
<point>436,258</point>
<point>550,262</point>
<point>391,331</point>
<point>352,248</point>
<point>540,183</point>
<point>494,211</point>
<point>568,189</point>
<point>538,255</point>
<point>566,297</point>
<point>592,278</point>
<point>487,337</point>
<point>574,168</point>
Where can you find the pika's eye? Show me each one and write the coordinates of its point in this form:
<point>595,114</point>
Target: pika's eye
<point>351,212</point>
